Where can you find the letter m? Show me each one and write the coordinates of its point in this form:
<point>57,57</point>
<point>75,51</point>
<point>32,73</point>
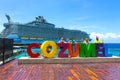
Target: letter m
<point>88,50</point>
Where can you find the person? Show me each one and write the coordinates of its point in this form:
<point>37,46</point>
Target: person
<point>72,41</point>
<point>61,43</point>
<point>97,40</point>
<point>86,41</point>
<point>61,40</point>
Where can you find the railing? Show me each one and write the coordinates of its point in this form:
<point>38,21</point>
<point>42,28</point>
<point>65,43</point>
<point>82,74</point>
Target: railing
<point>6,49</point>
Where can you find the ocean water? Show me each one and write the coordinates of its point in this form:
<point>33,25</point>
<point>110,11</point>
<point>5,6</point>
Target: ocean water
<point>113,49</point>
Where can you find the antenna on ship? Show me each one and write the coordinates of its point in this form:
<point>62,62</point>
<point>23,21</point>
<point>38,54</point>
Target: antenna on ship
<point>41,19</point>
<point>8,18</point>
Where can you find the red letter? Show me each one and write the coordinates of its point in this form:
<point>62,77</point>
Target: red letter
<point>32,55</point>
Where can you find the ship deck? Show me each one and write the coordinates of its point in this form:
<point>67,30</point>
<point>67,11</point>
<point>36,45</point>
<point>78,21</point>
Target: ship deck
<point>84,71</point>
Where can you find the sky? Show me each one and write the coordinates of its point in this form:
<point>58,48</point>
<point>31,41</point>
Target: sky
<point>96,17</point>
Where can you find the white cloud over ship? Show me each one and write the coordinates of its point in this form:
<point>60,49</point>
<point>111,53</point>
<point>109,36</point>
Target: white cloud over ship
<point>107,37</point>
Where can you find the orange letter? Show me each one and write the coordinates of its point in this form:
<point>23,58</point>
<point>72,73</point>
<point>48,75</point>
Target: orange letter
<point>73,51</point>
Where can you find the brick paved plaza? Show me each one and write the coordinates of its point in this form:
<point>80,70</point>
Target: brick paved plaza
<point>83,71</point>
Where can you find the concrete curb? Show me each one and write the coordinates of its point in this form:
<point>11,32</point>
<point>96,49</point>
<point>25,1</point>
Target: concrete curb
<point>26,60</point>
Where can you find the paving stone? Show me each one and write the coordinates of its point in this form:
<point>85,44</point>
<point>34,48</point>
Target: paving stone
<point>81,71</point>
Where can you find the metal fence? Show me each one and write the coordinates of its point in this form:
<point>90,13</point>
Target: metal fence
<point>6,49</point>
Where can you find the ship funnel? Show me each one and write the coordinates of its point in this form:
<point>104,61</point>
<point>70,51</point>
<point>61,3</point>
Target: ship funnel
<point>8,18</point>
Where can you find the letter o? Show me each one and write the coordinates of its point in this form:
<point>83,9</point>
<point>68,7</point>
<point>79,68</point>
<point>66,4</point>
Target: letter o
<point>44,49</point>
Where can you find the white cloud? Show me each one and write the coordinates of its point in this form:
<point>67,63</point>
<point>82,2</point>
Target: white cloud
<point>107,37</point>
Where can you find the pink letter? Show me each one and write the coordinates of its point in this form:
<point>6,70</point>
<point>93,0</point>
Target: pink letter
<point>63,47</point>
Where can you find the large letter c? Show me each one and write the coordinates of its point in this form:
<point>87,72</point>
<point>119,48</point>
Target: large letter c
<point>32,55</point>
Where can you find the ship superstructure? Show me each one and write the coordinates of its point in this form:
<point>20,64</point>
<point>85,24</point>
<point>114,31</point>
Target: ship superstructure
<point>38,31</point>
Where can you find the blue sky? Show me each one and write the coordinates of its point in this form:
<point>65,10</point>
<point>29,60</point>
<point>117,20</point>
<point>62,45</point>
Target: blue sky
<point>97,17</point>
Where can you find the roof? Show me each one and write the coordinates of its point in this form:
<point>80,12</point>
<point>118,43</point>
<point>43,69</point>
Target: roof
<point>15,37</point>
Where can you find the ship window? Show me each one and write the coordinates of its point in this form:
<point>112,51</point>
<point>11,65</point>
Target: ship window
<point>40,38</point>
<point>24,37</point>
<point>33,38</point>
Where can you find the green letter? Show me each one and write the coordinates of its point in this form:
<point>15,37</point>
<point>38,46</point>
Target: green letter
<point>88,50</point>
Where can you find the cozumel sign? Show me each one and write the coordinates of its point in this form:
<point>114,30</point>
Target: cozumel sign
<point>81,49</point>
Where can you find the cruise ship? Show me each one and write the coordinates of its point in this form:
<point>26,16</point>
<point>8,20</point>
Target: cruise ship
<point>38,31</point>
